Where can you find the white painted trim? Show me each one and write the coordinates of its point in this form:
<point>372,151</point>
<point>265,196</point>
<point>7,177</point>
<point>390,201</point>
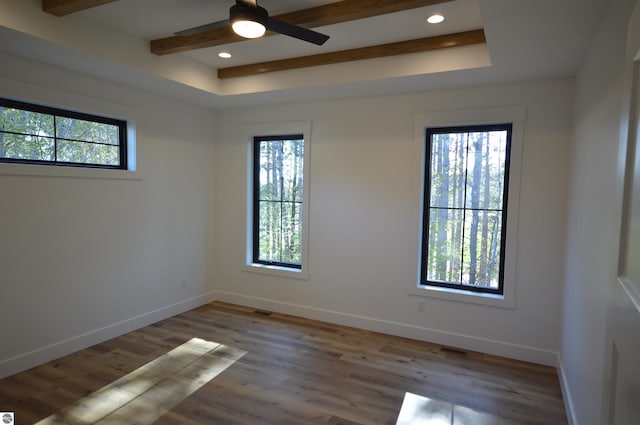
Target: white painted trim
<point>249,131</point>
<point>627,164</point>
<point>468,342</point>
<point>632,291</point>
<point>515,351</point>
<point>283,272</point>
<point>450,294</point>
<point>37,170</point>
<point>515,115</point>
<point>566,393</point>
<point>59,349</point>
<point>15,90</point>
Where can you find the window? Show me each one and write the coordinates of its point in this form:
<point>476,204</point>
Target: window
<point>278,163</point>
<point>465,207</point>
<point>37,134</point>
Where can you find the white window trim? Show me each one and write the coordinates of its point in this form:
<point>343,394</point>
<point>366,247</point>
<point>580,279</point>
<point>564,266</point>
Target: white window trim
<point>249,131</point>
<point>41,170</point>
<point>515,115</point>
<point>79,172</point>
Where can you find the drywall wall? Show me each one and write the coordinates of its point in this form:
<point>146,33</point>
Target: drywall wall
<point>364,219</point>
<point>84,258</point>
<point>594,211</point>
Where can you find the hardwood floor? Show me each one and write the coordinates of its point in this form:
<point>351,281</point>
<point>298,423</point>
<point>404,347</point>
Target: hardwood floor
<point>226,364</point>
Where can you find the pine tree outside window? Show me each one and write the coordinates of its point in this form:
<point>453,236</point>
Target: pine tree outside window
<point>278,185</point>
<point>465,207</point>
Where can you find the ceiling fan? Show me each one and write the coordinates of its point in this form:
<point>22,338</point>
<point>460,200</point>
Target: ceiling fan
<point>249,20</point>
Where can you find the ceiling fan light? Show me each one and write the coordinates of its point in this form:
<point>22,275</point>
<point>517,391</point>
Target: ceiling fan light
<point>248,21</point>
<point>248,29</point>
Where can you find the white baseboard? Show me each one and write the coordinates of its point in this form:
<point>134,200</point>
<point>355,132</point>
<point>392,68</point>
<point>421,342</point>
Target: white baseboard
<point>51,352</point>
<point>467,342</point>
<point>566,393</point>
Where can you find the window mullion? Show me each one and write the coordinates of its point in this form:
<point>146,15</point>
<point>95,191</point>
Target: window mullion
<point>55,139</point>
<point>464,203</point>
<point>282,197</point>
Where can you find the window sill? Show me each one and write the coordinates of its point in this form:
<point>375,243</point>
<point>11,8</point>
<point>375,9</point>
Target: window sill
<point>458,295</point>
<point>289,273</point>
<point>36,170</point>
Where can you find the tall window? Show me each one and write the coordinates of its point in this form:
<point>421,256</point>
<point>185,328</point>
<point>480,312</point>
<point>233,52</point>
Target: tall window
<point>42,135</point>
<point>277,200</point>
<point>465,205</point>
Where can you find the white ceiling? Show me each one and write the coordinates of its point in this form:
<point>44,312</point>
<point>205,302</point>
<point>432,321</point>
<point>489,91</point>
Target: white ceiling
<point>131,16</point>
<point>526,39</point>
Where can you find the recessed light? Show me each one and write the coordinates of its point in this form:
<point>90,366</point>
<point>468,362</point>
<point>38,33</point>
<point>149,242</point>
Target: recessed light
<point>435,19</point>
<point>224,55</point>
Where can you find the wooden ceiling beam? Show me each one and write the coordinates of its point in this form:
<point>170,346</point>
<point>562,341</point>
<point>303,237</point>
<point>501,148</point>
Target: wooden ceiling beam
<point>328,14</point>
<point>67,7</point>
<point>351,10</point>
<point>400,48</point>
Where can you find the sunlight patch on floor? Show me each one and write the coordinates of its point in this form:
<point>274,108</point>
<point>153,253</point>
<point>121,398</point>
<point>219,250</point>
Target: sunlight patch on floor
<point>419,410</point>
<point>150,391</point>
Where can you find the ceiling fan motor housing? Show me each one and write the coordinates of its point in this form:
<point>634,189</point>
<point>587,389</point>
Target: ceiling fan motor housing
<point>242,12</point>
<point>249,20</point>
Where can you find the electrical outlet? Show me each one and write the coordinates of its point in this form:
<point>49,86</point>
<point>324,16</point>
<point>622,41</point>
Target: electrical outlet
<point>420,306</point>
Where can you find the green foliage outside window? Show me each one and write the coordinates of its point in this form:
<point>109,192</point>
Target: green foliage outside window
<point>278,186</point>
<point>465,207</point>
<point>46,135</point>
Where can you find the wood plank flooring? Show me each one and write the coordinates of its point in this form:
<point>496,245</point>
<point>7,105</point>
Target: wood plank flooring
<point>227,364</point>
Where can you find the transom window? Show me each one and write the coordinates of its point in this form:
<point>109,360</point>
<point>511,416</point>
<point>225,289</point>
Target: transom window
<point>277,200</point>
<point>38,134</point>
<point>465,207</point>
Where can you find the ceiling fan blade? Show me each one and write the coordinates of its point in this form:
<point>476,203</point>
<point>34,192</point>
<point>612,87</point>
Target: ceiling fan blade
<point>203,28</point>
<point>296,31</point>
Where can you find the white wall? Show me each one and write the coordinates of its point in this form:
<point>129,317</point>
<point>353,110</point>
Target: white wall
<point>364,219</point>
<point>83,259</point>
<point>594,208</point>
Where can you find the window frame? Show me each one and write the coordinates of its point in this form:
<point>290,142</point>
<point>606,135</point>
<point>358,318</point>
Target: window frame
<point>246,133</point>
<point>58,112</point>
<point>464,117</point>
<point>256,199</point>
<point>429,132</point>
